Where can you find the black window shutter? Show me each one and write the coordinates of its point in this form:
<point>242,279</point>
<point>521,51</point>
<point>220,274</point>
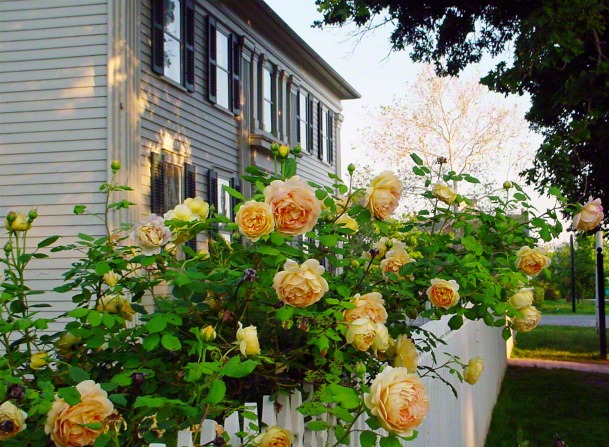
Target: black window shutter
<point>212,189</point>
<point>320,140</point>
<point>190,191</point>
<point>212,83</point>
<point>235,183</point>
<point>189,45</point>
<point>157,181</point>
<point>235,52</point>
<point>330,137</point>
<point>310,124</point>
<point>298,118</point>
<point>158,36</point>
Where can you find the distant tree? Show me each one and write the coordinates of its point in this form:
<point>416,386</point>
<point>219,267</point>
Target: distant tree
<point>455,119</point>
<point>560,57</point>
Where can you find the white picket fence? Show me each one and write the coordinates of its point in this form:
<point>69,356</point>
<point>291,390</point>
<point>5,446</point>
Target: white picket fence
<point>450,422</point>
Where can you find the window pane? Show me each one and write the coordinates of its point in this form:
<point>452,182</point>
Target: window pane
<point>303,106</point>
<point>222,85</point>
<point>172,18</point>
<point>222,50</point>
<point>173,68</point>
<point>267,85</point>
<point>266,116</point>
<point>304,133</point>
<point>224,201</point>
<point>172,186</point>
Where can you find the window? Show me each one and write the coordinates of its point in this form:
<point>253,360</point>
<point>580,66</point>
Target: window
<point>224,68</point>
<point>170,184</point>
<point>325,134</point>
<point>173,38</point>
<point>329,118</point>
<point>304,121</point>
<point>220,199</point>
<point>269,105</point>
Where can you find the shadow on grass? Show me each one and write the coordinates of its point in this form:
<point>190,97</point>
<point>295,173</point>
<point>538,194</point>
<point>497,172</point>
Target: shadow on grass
<point>542,402</point>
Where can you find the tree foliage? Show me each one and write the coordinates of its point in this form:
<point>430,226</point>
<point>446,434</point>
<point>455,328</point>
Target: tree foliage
<point>560,57</point>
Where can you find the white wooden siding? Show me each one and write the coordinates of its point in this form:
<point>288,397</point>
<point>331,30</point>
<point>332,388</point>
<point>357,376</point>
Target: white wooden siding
<point>53,90</point>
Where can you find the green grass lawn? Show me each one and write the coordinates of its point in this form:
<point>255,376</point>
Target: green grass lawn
<point>562,307</point>
<point>576,344</point>
<point>540,402</point>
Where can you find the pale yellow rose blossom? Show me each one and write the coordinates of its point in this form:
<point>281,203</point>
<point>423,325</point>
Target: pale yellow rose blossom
<point>111,279</point>
<point>38,360</point>
<point>531,261</point>
<point>371,305</point>
<point>398,399</point>
<point>274,436</point>
<point>473,369</point>
<point>18,222</point>
<point>70,425</point>
<point>181,212</point>
<point>394,260</point>
<point>522,298</point>
<point>406,354</point>
<point>381,337</point>
<point>300,285</point>
<point>152,235</point>
<point>198,206</point>
<point>590,216</point>
<point>361,333</point>
<point>294,206</point>
<point>527,320</point>
<point>443,293</point>
<point>383,195</point>
<point>247,339</point>
<point>444,193</point>
<point>116,304</point>
<point>347,221</point>
<point>10,413</point>
<point>255,220</point>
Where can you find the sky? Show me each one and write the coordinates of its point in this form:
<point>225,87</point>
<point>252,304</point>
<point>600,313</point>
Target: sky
<point>372,69</point>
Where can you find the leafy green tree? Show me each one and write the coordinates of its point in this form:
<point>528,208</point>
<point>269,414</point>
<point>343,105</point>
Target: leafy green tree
<point>560,57</point>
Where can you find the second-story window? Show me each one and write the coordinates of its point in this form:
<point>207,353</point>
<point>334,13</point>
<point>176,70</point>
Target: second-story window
<point>173,40</point>
<point>304,123</point>
<point>224,69</point>
<point>269,105</point>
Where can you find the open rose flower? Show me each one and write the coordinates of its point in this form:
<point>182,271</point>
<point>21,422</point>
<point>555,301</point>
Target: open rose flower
<point>361,333</point>
<point>443,293</point>
<point>255,220</point>
<point>398,399</point>
<point>12,420</point>
<point>371,305</point>
<point>274,436</point>
<point>300,285</point>
<point>406,354</point>
<point>531,261</point>
<point>472,370</point>
<point>247,339</point>
<point>444,193</point>
<point>347,221</point>
<point>79,425</point>
<point>294,206</point>
<point>383,195</point>
<point>394,260</point>
<point>590,216</point>
<point>381,338</point>
<point>527,320</point>
<point>198,206</point>
<point>181,212</point>
<point>116,304</point>
<point>522,298</point>
<point>152,235</point>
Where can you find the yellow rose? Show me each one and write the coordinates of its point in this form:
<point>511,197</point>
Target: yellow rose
<point>116,304</point>
<point>12,419</point>
<point>38,360</point>
<point>283,151</point>
<point>370,305</point>
<point>398,399</point>
<point>472,371</point>
<point>381,337</point>
<point>198,206</point>
<point>383,195</point>
<point>444,193</point>
<point>67,424</point>
<point>527,320</point>
<point>394,260</point>
<point>17,222</point>
<point>152,235</point>
<point>66,342</point>
<point>347,221</point>
<point>247,339</point>
<point>300,285</point>
<point>531,261</point>
<point>111,279</point>
<point>294,206</point>
<point>361,333</point>
<point>255,220</point>
<point>590,216</point>
<point>522,298</point>
<point>406,354</point>
<point>274,436</point>
<point>181,212</point>
<point>208,333</point>
<point>443,293</point>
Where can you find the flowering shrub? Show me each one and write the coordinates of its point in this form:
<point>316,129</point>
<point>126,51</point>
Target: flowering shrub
<point>315,286</point>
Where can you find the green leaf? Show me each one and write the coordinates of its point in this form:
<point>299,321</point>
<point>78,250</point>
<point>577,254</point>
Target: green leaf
<point>346,397</point>
<point>150,402</point>
<point>94,318</point>
<point>70,395</point>
<point>171,342</point>
<point>233,192</point>
<point>312,409</point>
<point>455,322</point>
<point>416,159</point>
<point>48,241</point>
<point>78,374</point>
<point>151,342</point>
<point>216,393</point>
<point>85,237</point>
<point>343,414</point>
<point>79,209</point>
<point>268,251</point>
<point>101,268</point>
<point>237,369</point>
<point>147,261</point>
<point>103,440</point>
<point>79,312</point>
<point>156,324</point>
<point>367,438</point>
<point>343,291</point>
<point>285,313</point>
<point>118,399</point>
<point>329,240</point>
<point>390,441</point>
<point>288,168</point>
<point>277,239</point>
<point>317,425</point>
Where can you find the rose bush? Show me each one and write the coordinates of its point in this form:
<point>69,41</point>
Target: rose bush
<point>324,289</point>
